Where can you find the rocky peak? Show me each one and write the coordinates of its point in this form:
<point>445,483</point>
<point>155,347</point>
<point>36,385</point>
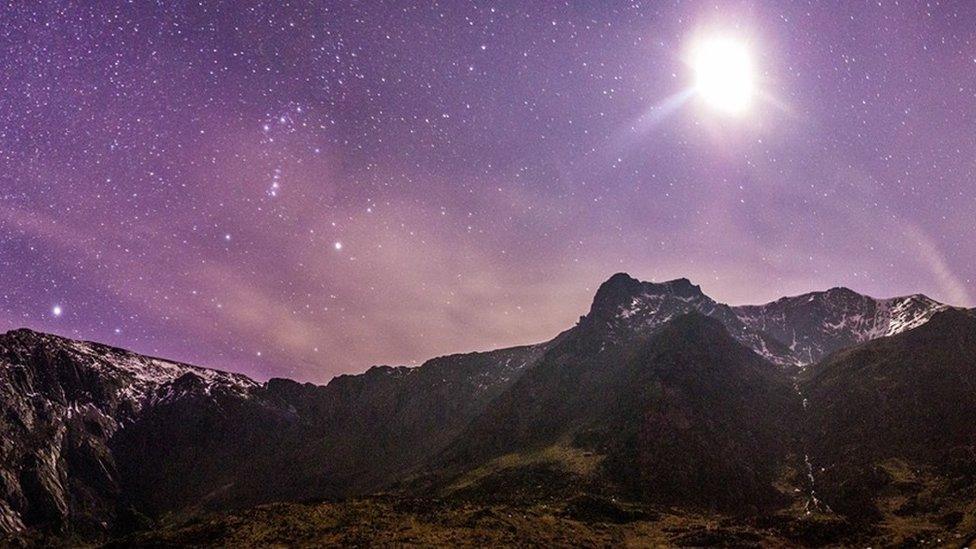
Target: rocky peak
<point>794,330</point>
<point>617,289</point>
<point>621,292</point>
<point>841,291</point>
<point>681,287</point>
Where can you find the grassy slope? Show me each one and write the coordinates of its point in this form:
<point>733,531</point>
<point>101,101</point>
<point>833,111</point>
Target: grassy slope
<point>580,522</point>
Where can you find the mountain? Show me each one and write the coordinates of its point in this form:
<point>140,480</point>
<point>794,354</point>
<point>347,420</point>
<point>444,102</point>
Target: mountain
<point>62,403</point>
<point>791,331</point>
<point>894,417</point>
<point>903,396</point>
<point>816,324</point>
<point>624,307</point>
<point>686,415</point>
<point>659,396</point>
<point>97,439</point>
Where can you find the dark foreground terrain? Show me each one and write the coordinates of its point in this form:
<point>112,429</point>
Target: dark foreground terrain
<point>582,522</point>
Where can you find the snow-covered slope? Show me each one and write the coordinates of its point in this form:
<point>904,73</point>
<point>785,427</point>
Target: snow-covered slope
<point>815,324</point>
<point>147,380</point>
<point>790,331</point>
<point>136,379</point>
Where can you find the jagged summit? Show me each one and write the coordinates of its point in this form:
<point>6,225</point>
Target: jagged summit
<point>625,297</point>
<point>620,278</point>
<point>622,283</point>
<point>615,290</point>
<point>841,290</point>
<point>622,290</point>
<point>795,330</point>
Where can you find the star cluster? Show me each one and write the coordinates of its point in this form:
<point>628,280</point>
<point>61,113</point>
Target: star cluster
<point>305,189</point>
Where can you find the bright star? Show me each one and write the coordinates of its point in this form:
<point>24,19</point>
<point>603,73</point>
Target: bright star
<point>56,310</point>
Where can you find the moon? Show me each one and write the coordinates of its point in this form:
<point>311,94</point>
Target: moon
<point>724,74</point>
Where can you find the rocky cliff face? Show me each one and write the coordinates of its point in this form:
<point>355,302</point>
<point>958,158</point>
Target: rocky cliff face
<point>62,403</point>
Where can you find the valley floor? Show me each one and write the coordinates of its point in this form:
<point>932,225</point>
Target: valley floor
<point>583,522</point>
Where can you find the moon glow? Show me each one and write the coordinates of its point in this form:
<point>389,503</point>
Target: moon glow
<point>724,75</point>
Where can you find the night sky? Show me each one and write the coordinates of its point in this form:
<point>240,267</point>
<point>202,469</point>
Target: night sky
<point>307,189</point>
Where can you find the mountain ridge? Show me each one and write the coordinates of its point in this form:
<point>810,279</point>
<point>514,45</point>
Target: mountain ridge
<point>101,439</point>
<point>619,284</point>
<point>625,303</point>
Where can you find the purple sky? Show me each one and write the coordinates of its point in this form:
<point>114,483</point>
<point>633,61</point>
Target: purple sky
<point>176,179</point>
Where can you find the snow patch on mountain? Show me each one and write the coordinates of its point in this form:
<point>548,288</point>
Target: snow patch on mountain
<point>792,331</point>
<point>816,324</point>
<point>901,314</point>
<point>136,380</point>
